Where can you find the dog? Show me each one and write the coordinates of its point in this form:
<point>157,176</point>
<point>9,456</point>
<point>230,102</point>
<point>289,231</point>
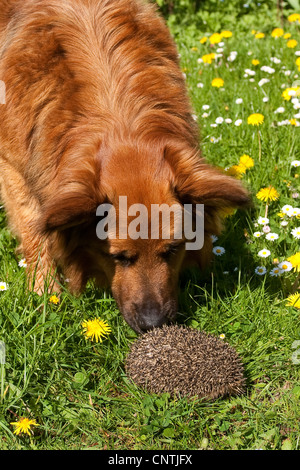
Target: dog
<point>96,108</point>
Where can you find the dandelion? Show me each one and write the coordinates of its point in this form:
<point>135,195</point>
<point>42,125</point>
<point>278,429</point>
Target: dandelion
<point>272,236</point>
<point>289,92</point>
<point>203,40</point>
<point>208,58</point>
<point>237,171</point>
<point>226,34</point>
<point>54,299</point>
<point>285,266</point>
<point>217,82</point>
<point>260,270</point>
<point>23,426</point>
<point>294,17</point>
<point>295,260</point>
<point>259,35</point>
<point>277,33</point>
<point>264,253</point>
<point>267,194</point>
<point>255,119</point>
<point>255,62</point>
<point>215,38</point>
<point>292,43</point>
<point>3,286</point>
<point>275,272</point>
<point>218,250</point>
<point>246,161</point>
<point>293,300</point>
<point>296,232</point>
<point>95,329</point>
<point>287,36</point>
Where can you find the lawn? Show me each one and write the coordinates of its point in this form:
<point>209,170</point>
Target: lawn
<point>76,389</point>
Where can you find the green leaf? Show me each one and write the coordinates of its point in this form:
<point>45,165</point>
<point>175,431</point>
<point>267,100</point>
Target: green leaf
<point>169,432</point>
<point>286,445</point>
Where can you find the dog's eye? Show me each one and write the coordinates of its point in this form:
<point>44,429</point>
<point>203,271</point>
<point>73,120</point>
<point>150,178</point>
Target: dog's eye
<point>123,259</point>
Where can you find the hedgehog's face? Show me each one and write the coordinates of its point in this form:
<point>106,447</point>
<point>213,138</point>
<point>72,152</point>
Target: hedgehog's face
<point>145,280</point>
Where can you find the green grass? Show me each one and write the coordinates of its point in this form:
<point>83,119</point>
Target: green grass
<point>78,391</point>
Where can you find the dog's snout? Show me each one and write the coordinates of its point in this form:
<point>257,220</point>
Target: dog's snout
<point>150,315</point>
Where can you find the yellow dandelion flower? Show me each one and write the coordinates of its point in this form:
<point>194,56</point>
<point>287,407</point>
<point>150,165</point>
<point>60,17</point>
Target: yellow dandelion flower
<point>95,329</point>
<point>255,119</point>
<point>295,260</point>
<point>289,92</point>
<point>237,171</point>
<point>54,299</point>
<point>208,58</point>
<point>215,38</point>
<point>292,43</point>
<point>294,17</point>
<point>259,35</point>
<point>293,300</point>
<point>287,36</point>
<point>24,426</point>
<point>203,40</point>
<point>194,49</point>
<point>267,194</point>
<point>255,62</point>
<point>217,82</point>
<point>298,62</point>
<point>293,122</point>
<point>246,161</point>
<point>253,31</point>
<point>277,33</point>
<point>226,34</point>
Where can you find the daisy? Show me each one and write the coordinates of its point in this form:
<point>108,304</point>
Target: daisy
<point>228,121</point>
<point>295,163</point>
<point>272,236</point>
<point>296,210</point>
<point>279,110</point>
<point>263,220</point>
<point>295,260</point>
<point>260,270</point>
<point>95,329</point>
<point>255,119</point>
<point>288,210</point>
<point>222,336</point>
<point>22,263</point>
<point>284,223</point>
<point>264,253</point>
<point>214,238</point>
<point>3,286</point>
<point>293,300</point>
<point>219,120</point>
<point>267,194</point>
<point>238,122</point>
<point>263,81</point>
<point>285,266</point>
<point>275,272</point>
<point>218,250</point>
<point>289,92</point>
<point>257,234</point>
<point>296,232</point>
<point>205,107</point>
<point>24,426</point>
<point>239,100</point>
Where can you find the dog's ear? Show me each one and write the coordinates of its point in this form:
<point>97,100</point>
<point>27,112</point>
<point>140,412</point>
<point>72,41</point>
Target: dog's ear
<point>197,182</point>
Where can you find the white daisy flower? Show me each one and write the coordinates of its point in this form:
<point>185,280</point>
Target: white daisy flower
<point>238,122</point>
<point>295,163</point>
<point>272,236</point>
<point>205,115</point>
<point>257,234</point>
<point>296,211</point>
<point>275,272</point>
<point>296,232</point>
<point>3,286</point>
<point>200,85</point>
<point>284,223</point>
<point>263,81</point>
<point>213,125</point>
<point>279,110</point>
<point>285,266</point>
<point>219,120</point>
<point>214,238</point>
<point>239,100</point>
<point>22,263</point>
<point>265,99</point>
<point>263,220</point>
<point>260,270</point>
<point>228,121</point>
<point>275,60</point>
<point>218,250</point>
<point>287,209</point>
<point>264,253</point>
<point>205,107</point>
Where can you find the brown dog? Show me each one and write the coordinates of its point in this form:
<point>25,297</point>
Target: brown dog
<point>96,108</point>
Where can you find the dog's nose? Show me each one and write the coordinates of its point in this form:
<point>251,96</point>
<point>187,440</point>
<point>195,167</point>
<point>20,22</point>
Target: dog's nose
<point>150,316</point>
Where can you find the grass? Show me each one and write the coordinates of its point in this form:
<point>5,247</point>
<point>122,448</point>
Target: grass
<point>77,390</point>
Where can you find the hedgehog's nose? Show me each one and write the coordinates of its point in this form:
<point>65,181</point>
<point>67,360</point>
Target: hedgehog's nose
<point>150,315</point>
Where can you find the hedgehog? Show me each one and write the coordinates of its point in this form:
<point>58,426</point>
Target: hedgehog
<point>186,362</point>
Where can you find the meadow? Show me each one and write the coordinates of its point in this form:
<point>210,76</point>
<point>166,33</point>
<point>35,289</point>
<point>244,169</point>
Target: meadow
<point>73,392</point>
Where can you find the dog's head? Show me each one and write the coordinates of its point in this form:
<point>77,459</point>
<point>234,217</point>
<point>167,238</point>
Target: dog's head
<point>140,257</point>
